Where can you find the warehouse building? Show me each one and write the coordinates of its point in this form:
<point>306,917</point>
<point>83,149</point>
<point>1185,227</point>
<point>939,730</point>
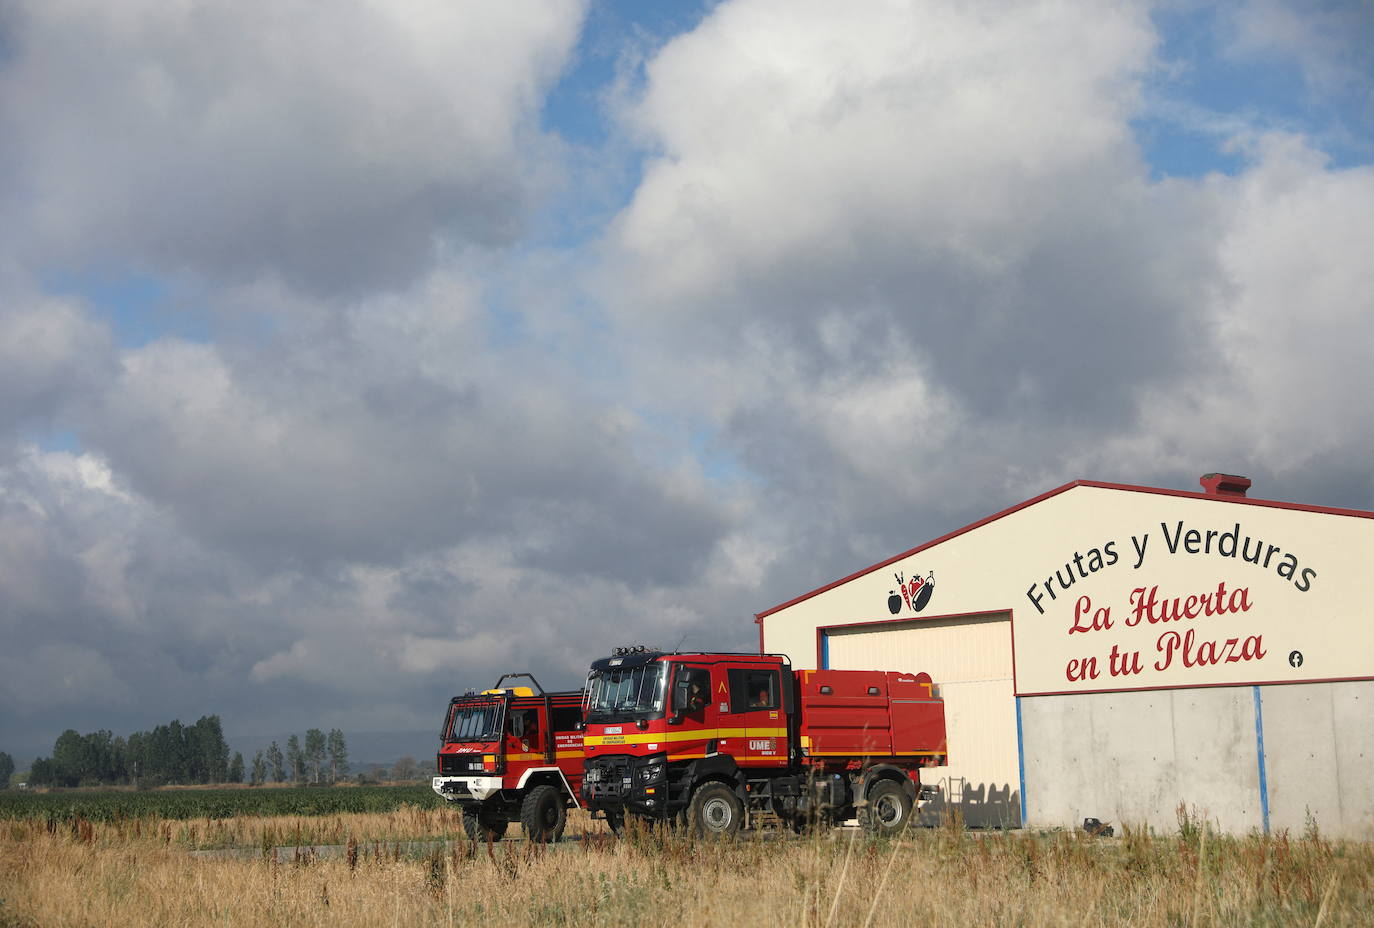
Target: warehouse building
<point>1122,652</point>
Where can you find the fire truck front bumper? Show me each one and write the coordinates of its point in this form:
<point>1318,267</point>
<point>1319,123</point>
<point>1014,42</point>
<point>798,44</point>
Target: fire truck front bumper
<point>458,789</point>
<point>638,783</point>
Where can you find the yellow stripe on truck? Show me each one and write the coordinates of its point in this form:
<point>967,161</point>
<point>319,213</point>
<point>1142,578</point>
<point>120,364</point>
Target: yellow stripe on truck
<point>703,734</point>
<point>561,755</point>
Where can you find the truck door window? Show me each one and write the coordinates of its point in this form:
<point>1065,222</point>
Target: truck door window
<point>691,689</point>
<point>565,718</point>
<point>752,690</point>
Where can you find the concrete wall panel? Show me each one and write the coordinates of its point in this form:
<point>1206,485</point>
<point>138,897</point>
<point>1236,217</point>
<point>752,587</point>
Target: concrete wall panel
<point>1319,757</point>
<point>1135,757</point>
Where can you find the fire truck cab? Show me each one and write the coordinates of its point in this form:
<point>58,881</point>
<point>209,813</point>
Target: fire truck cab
<point>512,754</point>
<point>714,740</point>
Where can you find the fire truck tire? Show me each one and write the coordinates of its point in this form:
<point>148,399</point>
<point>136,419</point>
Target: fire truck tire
<point>888,810</point>
<point>543,814</point>
<point>478,825</point>
<point>715,811</point>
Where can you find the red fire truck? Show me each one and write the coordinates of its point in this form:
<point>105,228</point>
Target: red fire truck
<point>511,754</point>
<point>714,740</point>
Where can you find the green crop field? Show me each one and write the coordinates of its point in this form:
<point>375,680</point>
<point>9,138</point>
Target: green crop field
<point>112,805</point>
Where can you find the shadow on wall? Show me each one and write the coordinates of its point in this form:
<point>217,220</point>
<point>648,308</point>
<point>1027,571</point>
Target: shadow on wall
<point>985,805</point>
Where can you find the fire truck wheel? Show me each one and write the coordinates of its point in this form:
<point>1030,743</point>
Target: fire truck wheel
<point>888,809</point>
<point>543,814</point>
<point>479,825</point>
<point>715,810</point>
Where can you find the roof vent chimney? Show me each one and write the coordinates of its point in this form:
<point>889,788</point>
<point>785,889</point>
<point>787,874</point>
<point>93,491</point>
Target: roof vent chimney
<point>1224,484</point>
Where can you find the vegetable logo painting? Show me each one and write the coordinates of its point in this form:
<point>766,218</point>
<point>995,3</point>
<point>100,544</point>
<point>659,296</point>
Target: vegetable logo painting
<point>915,593</point>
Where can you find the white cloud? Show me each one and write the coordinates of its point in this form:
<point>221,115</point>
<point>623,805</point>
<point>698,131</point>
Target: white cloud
<point>1291,328</point>
<point>913,265</point>
<point>871,246</point>
<point>50,352</point>
<point>918,130</point>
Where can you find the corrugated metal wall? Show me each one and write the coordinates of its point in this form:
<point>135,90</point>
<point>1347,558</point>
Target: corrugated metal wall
<point>969,658</point>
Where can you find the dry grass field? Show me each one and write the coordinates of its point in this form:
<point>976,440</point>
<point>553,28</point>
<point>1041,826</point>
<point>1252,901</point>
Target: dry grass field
<point>141,872</point>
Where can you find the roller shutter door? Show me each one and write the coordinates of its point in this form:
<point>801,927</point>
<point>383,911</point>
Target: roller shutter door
<point>969,658</point>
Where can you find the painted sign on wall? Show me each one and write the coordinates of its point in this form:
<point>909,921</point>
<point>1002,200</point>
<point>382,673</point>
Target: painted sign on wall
<point>1120,588</point>
<point>1190,600</point>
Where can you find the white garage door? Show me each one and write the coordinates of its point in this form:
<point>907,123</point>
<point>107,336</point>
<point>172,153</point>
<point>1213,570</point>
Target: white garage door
<point>969,658</point>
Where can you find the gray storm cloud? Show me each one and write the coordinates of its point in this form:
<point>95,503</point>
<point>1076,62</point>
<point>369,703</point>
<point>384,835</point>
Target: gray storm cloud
<point>336,150</point>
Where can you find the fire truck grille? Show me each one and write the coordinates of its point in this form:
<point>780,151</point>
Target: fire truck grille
<point>460,763</point>
<point>606,781</point>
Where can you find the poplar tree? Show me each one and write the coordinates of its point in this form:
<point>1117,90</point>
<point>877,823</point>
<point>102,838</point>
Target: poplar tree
<point>315,746</point>
<point>276,763</point>
<point>338,755</point>
<point>68,758</point>
<point>294,759</point>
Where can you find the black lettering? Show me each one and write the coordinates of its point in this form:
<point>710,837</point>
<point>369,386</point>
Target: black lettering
<point>1140,544</point>
<point>1172,541</point>
<point>1094,561</point>
<point>1192,542</point>
<point>1231,536</point>
<point>1288,567</point>
<point>1110,549</point>
<point>1304,583</point>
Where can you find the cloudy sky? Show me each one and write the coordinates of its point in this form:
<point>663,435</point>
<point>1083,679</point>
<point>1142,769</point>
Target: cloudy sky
<point>349,358</point>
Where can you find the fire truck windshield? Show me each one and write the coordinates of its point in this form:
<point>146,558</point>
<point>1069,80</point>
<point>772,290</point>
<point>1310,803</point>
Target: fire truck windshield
<point>478,722</point>
<point>619,694</point>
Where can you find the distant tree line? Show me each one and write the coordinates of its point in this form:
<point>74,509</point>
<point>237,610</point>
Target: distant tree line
<point>6,769</point>
<point>322,759</point>
<point>183,754</point>
<point>171,753</point>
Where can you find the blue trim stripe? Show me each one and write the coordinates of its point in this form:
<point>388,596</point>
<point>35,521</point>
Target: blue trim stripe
<point>1021,760</point>
<point>1259,752</point>
<point>825,651</point>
